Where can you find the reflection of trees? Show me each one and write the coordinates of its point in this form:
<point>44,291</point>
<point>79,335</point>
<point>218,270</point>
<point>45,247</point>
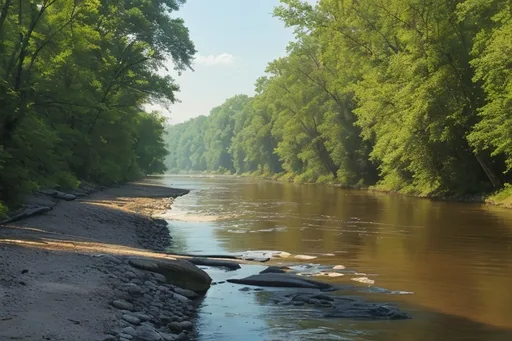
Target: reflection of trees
<point>455,257</point>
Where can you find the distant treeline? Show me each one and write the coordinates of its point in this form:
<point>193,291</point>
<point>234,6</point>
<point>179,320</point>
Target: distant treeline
<point>412,96</point>
<point>74,75</point>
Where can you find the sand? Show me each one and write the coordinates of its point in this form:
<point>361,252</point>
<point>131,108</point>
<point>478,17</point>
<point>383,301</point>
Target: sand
<point>50,285</point>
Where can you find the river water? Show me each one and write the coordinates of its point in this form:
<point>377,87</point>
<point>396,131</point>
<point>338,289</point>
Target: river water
<point>449,265</point>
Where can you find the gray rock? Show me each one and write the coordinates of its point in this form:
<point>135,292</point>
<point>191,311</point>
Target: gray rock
<point>281,280</point>
<point>64,196</point>
<point>141,316</point>
<point>131,319</point>
<point>182,337</point>
<point>165,319</point>
<point>187,293</point>
<point>180,298</point>
<point>147,334</point>
<point>186,325</point>
<point>110,338</point>
<point>177,272</point>
<point>130,275</point>
<point>175,326</point>
<point>169,337</point>
<point>159,277</point>
<point>112,259</point>
<point>122,304</point>
<point>273,269</point>
<point>130,331</point>
<point>134,289</point>
<point>125,336</point>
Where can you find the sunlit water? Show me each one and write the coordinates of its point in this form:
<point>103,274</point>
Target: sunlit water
<point>454,260</point>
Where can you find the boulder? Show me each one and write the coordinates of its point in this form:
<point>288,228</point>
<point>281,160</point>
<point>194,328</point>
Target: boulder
<point>177,272</point>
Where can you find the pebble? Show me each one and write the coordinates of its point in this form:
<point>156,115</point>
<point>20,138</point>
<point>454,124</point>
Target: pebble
<point>141,316</point>
<point>187,293</point>
<point>169,337</point>
<point>131,319</point>
<point>130,331</point>
<point>110,338</point>
<point>148,335</point>
<point>122,304</point>
<point>181,298</point>
<point>130,275</point>
<point>134,289</point>
<point>159,277</point>
<point>112,259</point>
<point>175,326</point>
<point>147,307</point>
<point>186,325</point>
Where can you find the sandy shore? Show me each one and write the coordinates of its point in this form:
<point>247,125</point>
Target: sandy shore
<point>64,275</point>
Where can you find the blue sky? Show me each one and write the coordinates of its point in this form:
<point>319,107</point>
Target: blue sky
<point>235,40</point>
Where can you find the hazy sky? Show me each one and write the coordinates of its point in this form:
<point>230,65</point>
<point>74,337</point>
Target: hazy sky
<point>235,40</point>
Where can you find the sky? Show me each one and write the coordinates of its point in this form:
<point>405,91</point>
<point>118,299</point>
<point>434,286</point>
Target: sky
<point>235,40</point>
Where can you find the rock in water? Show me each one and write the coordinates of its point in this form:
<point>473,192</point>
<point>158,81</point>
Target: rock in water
<point>177,272</point>
<point>273,269</point>
<point>215,263</point>
<point>281,280</point>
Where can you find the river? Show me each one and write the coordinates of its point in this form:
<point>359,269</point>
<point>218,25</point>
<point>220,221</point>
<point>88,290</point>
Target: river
<point>449,265</point>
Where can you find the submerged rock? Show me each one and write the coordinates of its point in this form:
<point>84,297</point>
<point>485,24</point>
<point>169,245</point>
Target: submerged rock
<point>215,263</point>
<point>333,306</point>
<point>281,280</point>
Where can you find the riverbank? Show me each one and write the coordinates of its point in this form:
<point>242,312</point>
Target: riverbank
<point>66,275</point>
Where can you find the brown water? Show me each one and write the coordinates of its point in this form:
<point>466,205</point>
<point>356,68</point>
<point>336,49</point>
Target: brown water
<point>454,260</point>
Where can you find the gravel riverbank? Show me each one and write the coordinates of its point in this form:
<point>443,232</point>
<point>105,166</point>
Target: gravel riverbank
<point>66,276</point>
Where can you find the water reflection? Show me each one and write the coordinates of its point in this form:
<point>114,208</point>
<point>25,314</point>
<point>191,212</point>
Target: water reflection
<point>456,258</point>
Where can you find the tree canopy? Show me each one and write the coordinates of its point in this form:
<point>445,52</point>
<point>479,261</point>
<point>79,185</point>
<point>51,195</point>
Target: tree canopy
<point>74,76</point>
<point>409,96</point>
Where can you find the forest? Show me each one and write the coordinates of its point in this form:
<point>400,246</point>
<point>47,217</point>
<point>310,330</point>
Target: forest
<point>74,76</point>
<point>409,96</point>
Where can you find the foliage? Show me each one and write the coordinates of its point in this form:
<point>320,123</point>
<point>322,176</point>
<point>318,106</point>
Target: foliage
<point>408,96</point>
<point>74,75</point>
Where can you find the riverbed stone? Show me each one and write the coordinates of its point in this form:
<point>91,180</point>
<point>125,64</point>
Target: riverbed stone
<point>169,337</point>
<point>134,289</point>
<point>178,272</point>
<point>180,298</point>
<point>186,325</point>
<point>131,319</point>
<point>187,293</point>
<point>148,335</point>
<point>129,330</point>
<point>175,326</point>
<point>141,316</point>
<point>122,304</point>
<point>273,269</point>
